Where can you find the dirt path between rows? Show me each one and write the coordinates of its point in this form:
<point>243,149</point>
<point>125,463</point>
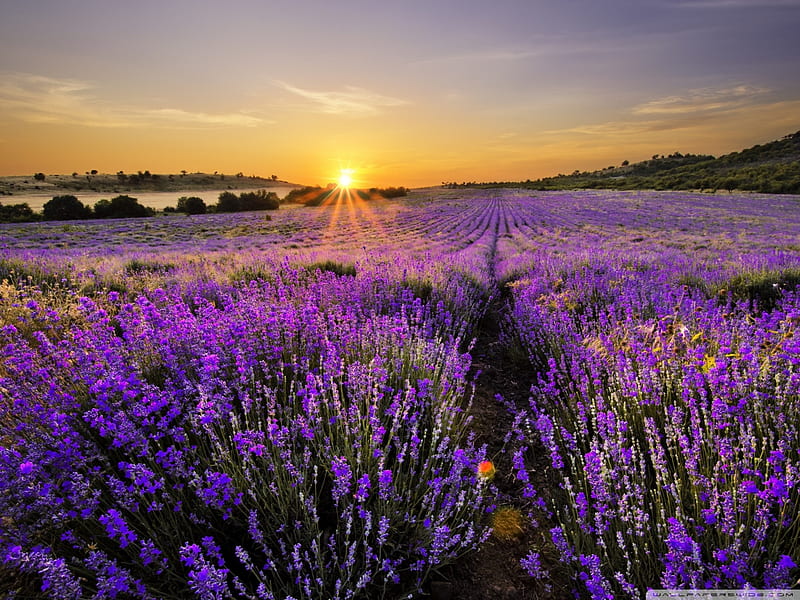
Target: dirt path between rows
<point>494,572</point>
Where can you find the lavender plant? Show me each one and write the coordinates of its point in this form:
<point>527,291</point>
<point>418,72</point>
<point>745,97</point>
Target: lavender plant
<point>670,420</point>
<point>227,407</point>
<point>294,439</point>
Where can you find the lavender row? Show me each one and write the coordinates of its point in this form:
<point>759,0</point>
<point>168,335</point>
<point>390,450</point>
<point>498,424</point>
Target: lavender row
<point>173,376</point>
<point>265,440</point>
<point>670,419</point>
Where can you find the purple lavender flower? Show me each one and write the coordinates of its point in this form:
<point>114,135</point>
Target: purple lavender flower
<point>342,478</point>
<point>363,486</point>
<point>750,487</point>
<point>533,566</point>
<point>205,580</point>
<point>385,484</point>
<point>117,528</point>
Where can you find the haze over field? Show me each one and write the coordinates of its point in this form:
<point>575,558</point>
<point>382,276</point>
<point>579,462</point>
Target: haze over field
<point>406,93</point>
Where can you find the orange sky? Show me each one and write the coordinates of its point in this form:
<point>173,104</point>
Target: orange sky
<point>412,93</point>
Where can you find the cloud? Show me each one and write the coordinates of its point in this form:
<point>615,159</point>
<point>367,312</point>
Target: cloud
<point>353,101</point>
<point>629,129</point>
<point>38,99</point>
<point>181,116</point>
<point>701,100</point>
<point>695,108</point>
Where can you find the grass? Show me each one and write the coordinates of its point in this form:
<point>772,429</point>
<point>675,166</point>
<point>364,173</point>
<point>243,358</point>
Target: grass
<point>332,266</point>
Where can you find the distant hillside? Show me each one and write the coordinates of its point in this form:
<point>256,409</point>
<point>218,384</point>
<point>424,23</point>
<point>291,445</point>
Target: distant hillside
<point>141,181</point>
<point>769,168</point>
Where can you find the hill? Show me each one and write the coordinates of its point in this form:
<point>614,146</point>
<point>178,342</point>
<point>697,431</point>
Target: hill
<point>772,168</point>
<point>142,181</point>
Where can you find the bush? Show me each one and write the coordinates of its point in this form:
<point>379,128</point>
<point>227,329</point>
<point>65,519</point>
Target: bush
<point>228,202</point>
<point>247,201</point>
<point>259,200</point>
<point>175,450</point>
<point>658,410</point>
<point>140,267</point>
<point>65,208</point>
<point>191,205</point>
<point>17,213</point>
<point>21,273</point>
<point>390,192</point>
<point>309,195</point>
<point>121,207</point>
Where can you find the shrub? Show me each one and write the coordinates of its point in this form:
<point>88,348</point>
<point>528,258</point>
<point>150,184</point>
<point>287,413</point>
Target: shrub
<point>259,200</point>
<point>27,273</point>
<point>121,207</point>
<point>228,202</point>
<point>658,410</point>
<point>310,196</point>
<point>272,445</point>
<point>247,201</point>
<point>139,267</point>
<point>191,205</point>
<point>390,192</point>
<point>65,208</point>
<point>17,213</point>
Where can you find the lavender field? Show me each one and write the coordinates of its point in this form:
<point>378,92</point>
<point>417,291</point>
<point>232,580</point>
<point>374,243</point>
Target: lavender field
<point>230,406</point>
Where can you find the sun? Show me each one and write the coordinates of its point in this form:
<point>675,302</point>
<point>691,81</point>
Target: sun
<point>345,178</point>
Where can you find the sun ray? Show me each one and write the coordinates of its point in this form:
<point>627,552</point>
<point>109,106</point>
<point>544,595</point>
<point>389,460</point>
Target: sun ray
<point>350,210</point>
<point>345,178</point>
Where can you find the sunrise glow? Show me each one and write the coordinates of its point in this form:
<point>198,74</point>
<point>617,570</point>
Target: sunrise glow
<point>345,178</point>
<point>537,93</point>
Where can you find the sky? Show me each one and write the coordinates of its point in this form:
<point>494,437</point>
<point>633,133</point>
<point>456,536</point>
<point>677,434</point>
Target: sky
<point>405,92</point>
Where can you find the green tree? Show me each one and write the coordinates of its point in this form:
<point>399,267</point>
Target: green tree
<point>259,200</point>
<point>191,205</point>
<point>121,207</point>
<point>17,213</point>
<point>39,176</point>
<point>65,208</point>
<point>102,209</point>
<point>228,202</point>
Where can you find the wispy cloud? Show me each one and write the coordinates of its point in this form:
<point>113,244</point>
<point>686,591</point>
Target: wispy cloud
<point>177,115</point>
<point>353,101</point>
<point>695,108</point>
<point>701,100</point>
<point>38,99</point>
<point>630,128</point>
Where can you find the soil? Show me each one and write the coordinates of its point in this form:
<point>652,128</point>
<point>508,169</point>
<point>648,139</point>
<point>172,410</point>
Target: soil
<point>494,572</point>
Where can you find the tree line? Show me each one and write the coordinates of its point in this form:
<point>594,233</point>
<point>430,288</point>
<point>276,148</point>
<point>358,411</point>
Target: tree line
<point>68,207</point>
<point>317,196</point>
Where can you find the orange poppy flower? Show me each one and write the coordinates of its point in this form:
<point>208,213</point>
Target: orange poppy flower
<point>486,470</point>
